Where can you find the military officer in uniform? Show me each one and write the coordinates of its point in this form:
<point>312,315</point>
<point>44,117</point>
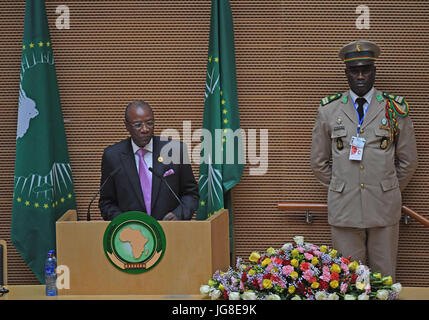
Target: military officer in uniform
<point>364,151</point>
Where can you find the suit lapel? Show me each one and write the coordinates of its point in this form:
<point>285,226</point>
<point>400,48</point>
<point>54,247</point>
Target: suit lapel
<point>157,167</point>
<point>349,109</point>
<point>374,109</point>
<point>129,164</point>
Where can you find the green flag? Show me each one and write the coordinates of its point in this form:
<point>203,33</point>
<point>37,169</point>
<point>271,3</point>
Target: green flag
<point>43,185</point>
<point>221,148</point>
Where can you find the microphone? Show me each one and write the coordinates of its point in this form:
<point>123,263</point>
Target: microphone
<point>88,214</point>
<point>171,190</point>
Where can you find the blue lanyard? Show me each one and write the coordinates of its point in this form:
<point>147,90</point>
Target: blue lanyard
<point>360,120</point>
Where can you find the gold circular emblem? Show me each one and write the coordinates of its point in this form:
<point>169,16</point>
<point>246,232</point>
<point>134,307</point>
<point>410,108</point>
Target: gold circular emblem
<point>160,159</point>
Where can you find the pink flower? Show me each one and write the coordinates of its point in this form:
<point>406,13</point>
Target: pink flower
<point>313,248</point>
<point>308,256</point>
<point>300,249</point>
<point>344,286</point>
<point>287,270</point>
<point>326,276</point>
<point>307,275</point>
<point>317,253</point>
<point>344,267</point>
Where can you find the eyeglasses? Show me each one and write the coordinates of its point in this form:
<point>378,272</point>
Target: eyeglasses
<point>139,125</point>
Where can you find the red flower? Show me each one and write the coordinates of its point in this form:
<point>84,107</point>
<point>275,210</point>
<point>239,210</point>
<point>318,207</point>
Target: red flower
<point>323,285</point>
<point>286,262</point>
<point>275,278</point>
<point>300,288</point>
<point>266,276</point>
<point>255,283</point>
<point>304,266</point>
<point>313,279</point>
<point>335,276</point>
<point>244,277</point>
<point>354,277</point>
<point>225,295</point>
<point>345,261</point>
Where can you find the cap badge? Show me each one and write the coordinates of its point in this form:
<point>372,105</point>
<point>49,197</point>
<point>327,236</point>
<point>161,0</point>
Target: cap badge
<point>358,47</point>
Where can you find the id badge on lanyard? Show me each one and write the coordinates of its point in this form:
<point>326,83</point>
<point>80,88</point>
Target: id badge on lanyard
<point>357,145</point>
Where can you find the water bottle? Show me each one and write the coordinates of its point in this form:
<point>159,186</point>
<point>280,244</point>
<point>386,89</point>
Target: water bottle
<point>51,274</point>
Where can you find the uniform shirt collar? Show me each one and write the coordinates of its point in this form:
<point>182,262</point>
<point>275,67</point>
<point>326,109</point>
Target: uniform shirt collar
<point>368,96</point>
<point>148,147</point>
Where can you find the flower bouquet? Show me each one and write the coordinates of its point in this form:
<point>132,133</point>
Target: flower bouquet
<point>300,271</point>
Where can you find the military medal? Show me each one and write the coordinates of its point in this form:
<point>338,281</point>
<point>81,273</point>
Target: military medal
<point>339,120</point>
<point>384,122</point>
<point>384,142</point>
<point>340,144</point>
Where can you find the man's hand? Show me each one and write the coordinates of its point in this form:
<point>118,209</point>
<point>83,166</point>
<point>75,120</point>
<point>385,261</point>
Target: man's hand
<point>170,217</point>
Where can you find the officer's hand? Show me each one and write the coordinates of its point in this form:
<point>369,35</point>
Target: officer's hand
<point>170,217</point>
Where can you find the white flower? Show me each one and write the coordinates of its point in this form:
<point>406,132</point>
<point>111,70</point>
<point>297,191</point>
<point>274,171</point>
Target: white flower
<point>295,297</point>
<point>349,297</point>
<point>382,294</point>
<point>234,296</point>
<point>287,246</point>
<point>205,290</point>
<point>321,295</point>
<point>249,295</point>
<point>363,274</point>
<point>363,296</point>
<point>333,296</point>
<point>299,240</point>
<point>397,287</point>
<point>273,297</point>
<point>215,294</point>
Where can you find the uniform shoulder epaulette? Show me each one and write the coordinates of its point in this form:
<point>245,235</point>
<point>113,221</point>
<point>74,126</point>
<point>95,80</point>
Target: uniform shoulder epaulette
<point>397,103</point>
<point>329,99</point>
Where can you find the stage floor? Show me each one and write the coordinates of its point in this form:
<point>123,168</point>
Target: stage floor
<point>37,292</point>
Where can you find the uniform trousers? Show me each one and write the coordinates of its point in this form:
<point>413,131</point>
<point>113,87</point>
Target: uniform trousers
<point>375,247</point>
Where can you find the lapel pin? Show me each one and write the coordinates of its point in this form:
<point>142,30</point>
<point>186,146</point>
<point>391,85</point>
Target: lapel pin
<point>160,159</point>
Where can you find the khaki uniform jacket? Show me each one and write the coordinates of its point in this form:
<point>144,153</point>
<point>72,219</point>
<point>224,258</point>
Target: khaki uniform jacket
<point>366,193</point>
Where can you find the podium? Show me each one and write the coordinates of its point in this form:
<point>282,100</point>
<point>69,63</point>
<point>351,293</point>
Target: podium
<point>194,251</point>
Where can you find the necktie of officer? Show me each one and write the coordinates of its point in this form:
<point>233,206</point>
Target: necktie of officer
<point>145,180</point>
<point>360,102</point>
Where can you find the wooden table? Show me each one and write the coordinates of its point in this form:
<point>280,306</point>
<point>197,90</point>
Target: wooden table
<point>37,292</point>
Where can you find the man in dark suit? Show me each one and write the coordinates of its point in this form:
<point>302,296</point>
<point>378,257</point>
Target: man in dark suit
<point>132,186</point>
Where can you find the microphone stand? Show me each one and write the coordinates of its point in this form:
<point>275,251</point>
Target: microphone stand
<point>88,214</point>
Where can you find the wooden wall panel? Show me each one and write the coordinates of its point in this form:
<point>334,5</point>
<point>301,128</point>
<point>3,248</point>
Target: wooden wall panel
<point>286,52</point>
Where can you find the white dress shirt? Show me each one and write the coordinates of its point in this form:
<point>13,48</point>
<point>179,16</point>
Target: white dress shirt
<point>368,98</point>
